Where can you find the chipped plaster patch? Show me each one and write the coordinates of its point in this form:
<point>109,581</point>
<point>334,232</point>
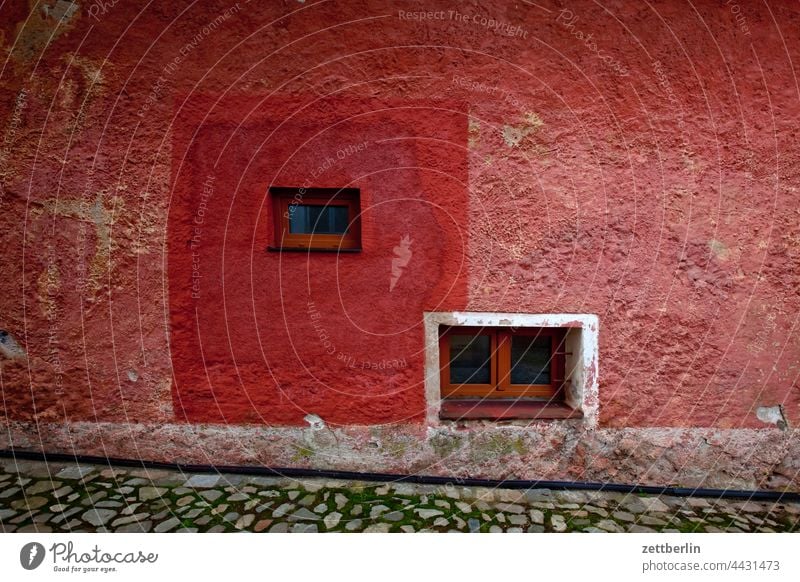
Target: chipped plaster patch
<point>473,133</point>
<point>102,218</point>
<point>513,135</point>
<point>9,348</point>
<point>719,249</point>
<point>62,10</point>
<point>314,421</point>
<point>772,415</point>
<point>53,20</point>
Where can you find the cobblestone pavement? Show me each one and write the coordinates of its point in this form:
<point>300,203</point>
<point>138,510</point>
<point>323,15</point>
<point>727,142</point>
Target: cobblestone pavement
<point>39,497</point>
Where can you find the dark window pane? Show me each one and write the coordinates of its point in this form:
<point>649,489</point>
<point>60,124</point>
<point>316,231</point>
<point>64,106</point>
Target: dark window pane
<point>470,359</point>
<point>314,219</point>
<point>530,360</point>
<point>340,219</point>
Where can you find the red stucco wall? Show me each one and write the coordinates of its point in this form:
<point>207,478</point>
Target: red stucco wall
<point>647,174</point>
<point>269,337</point>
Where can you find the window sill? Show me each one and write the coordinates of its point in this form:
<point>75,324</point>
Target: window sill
<point>463,409</point>
<point>308,250</point>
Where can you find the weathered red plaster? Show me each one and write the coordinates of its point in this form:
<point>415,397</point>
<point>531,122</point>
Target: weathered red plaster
<point>661,196</point>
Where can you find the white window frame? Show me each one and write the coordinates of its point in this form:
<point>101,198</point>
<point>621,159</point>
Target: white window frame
<point>581,361</point>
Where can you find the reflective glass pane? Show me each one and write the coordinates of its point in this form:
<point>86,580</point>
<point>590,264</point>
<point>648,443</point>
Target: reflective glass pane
<point>315,219</point>
<point>470,359</point>
<point>530,360</point>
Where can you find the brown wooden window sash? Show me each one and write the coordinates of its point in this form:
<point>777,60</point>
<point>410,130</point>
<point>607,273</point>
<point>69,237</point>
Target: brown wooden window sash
<point>500,383</point>
<point>286,200</point>
<point>449,389</point>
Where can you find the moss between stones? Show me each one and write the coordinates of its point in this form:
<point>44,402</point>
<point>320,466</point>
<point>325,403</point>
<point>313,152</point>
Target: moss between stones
<point>303,452</point>
<point>367,496</point>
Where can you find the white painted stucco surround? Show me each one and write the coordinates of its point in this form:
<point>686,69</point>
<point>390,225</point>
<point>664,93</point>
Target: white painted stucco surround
<point>581,345</point>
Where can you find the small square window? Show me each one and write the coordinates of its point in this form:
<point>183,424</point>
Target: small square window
<point>326,219</point>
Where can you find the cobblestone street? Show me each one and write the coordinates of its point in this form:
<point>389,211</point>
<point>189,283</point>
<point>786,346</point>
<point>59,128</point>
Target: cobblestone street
<point>61,497</point>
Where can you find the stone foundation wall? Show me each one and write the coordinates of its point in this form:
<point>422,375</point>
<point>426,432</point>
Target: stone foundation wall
<point>737,458</point>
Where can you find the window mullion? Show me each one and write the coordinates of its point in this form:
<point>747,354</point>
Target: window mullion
<point>503,360</point>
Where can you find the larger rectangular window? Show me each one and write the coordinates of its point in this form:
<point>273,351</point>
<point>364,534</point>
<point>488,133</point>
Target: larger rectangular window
<point>479,362</point>
<point>316,218</point>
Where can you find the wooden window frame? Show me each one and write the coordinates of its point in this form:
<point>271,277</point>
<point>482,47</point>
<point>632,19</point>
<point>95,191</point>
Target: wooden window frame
<point>283,199</point>
<point>500,364</point>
